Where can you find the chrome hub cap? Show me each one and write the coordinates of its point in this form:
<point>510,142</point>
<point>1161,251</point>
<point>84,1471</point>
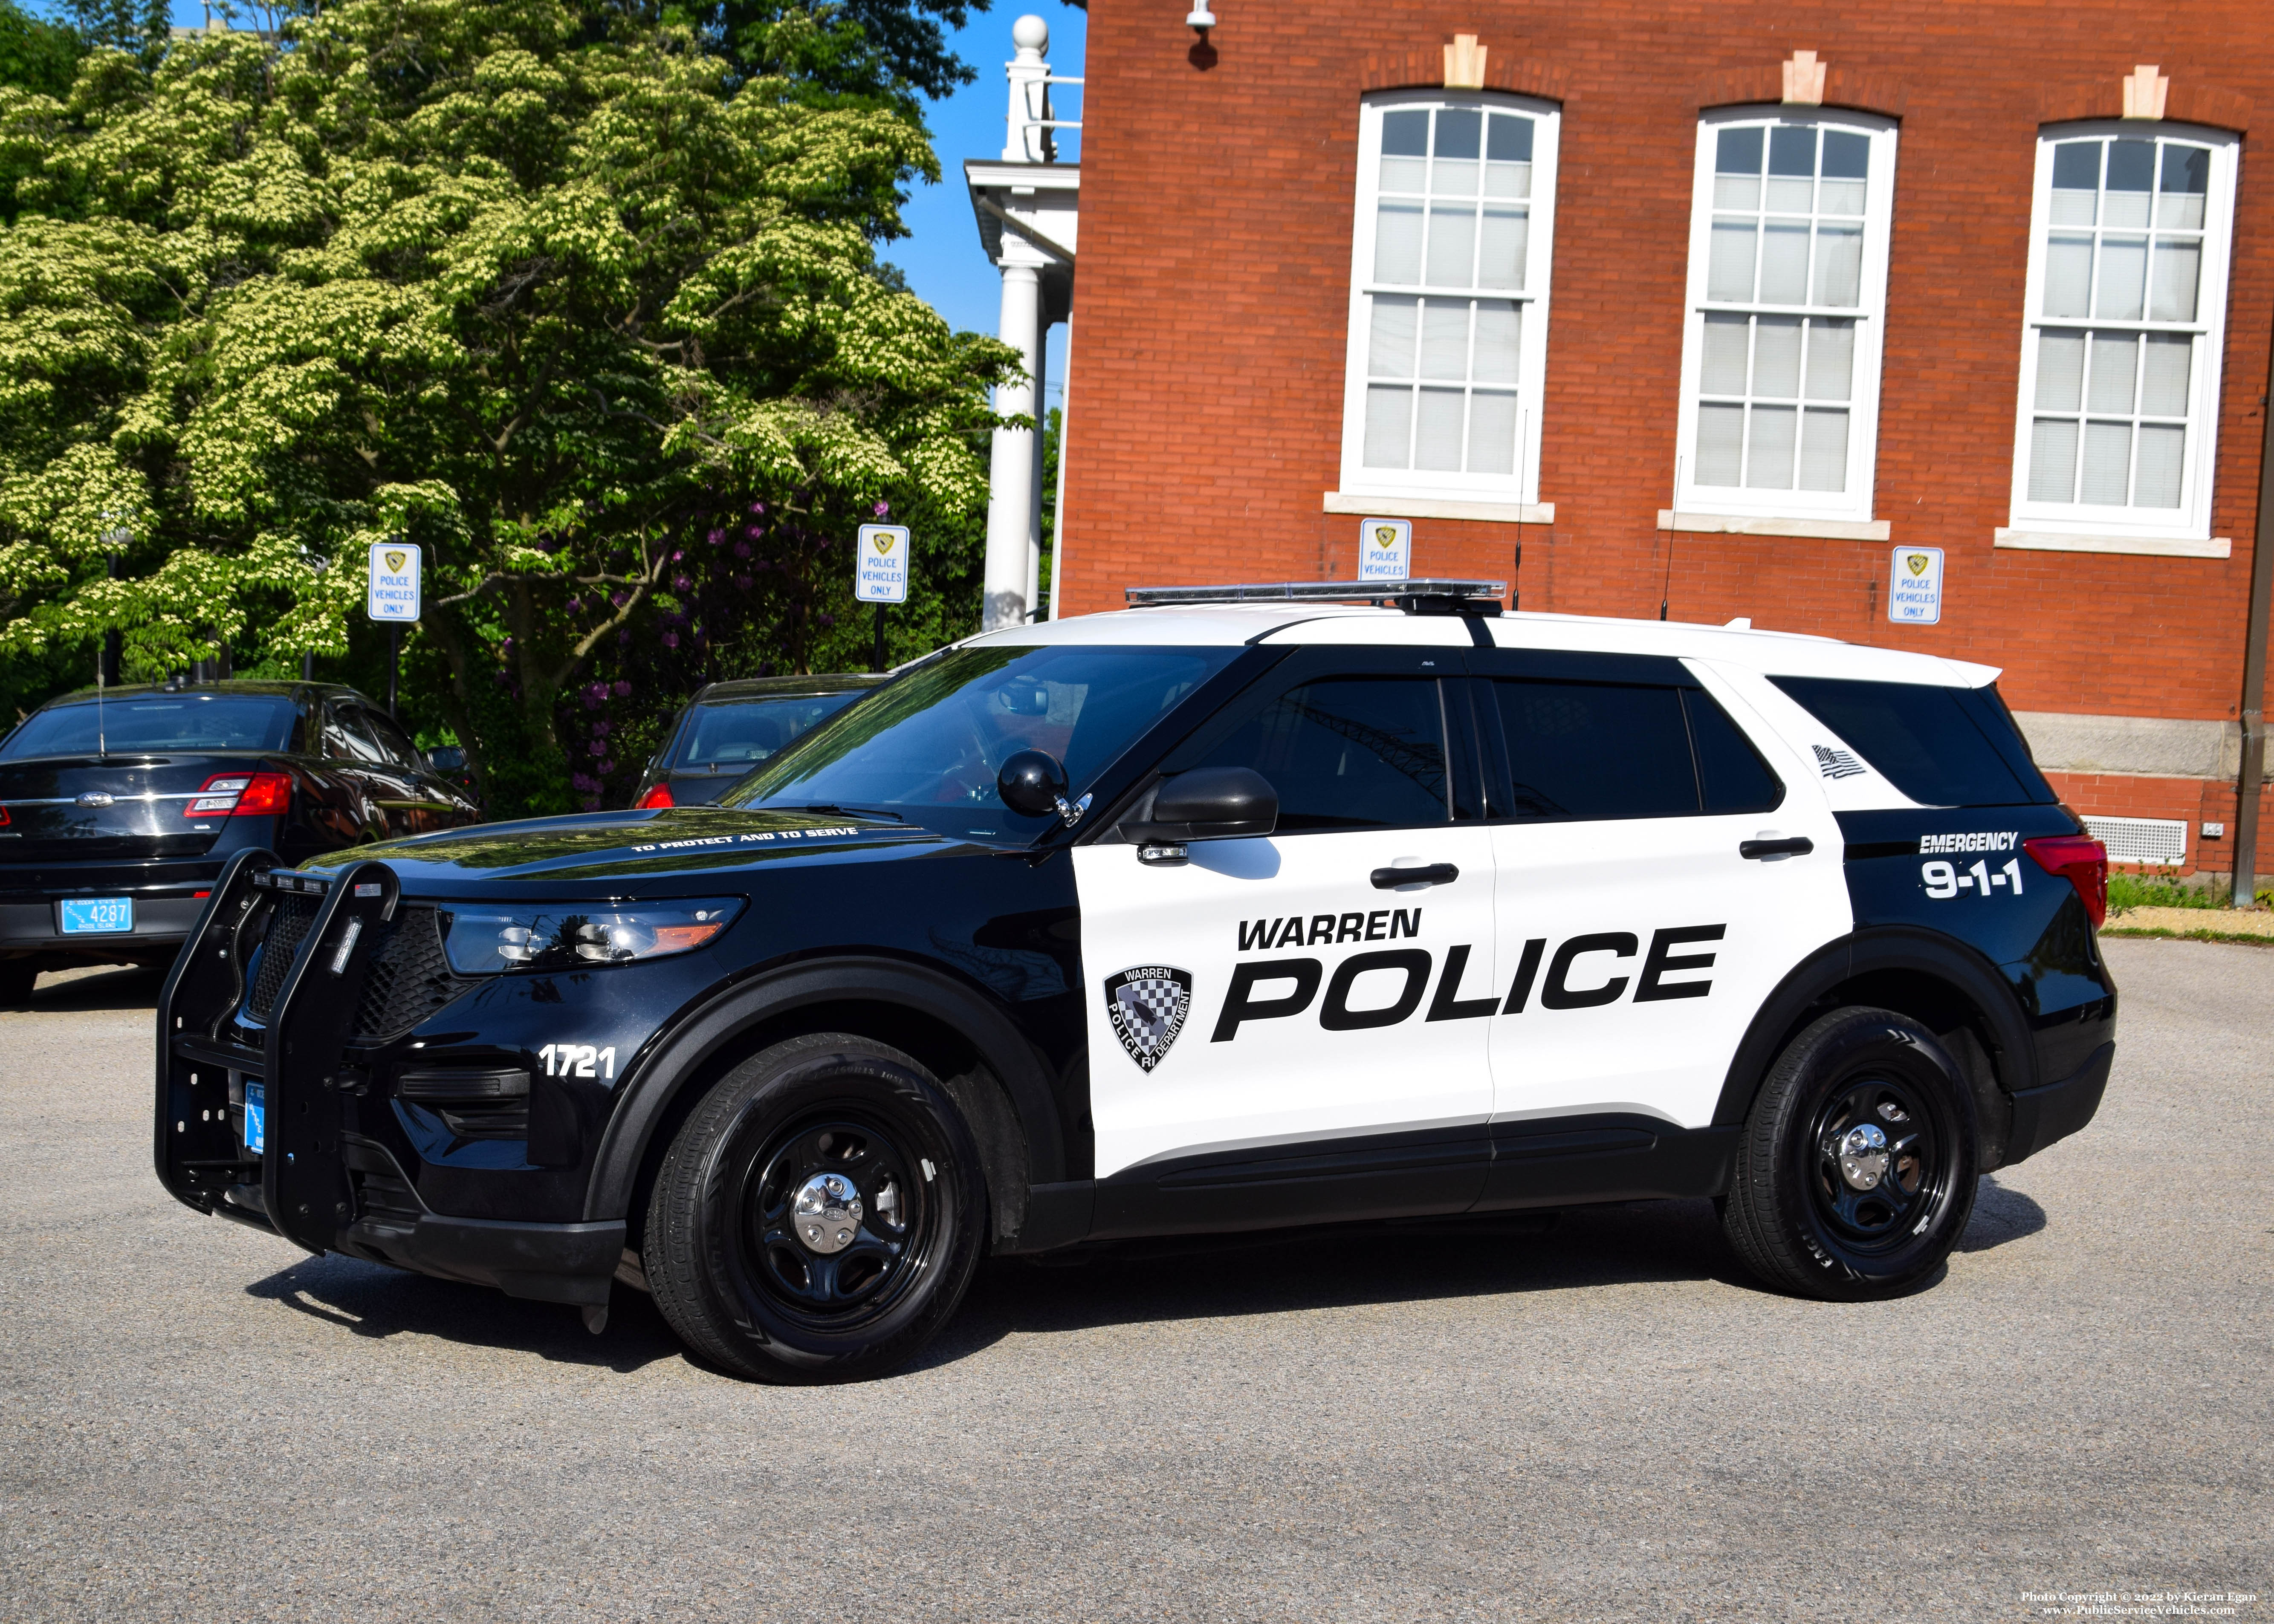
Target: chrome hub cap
<point>827,1213</point>
<point>1862,1154</point>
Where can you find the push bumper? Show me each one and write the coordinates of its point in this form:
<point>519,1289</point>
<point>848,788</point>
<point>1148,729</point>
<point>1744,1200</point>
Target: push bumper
<point>318,1181</point>
<point>2041,1115</point>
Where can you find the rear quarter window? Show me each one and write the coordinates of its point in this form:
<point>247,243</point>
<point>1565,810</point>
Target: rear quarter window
<point>1943,747</point>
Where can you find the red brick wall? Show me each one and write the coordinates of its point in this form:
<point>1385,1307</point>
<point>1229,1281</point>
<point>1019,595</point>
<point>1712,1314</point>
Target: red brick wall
<point>1207,368</point>
<point>2194,801</point>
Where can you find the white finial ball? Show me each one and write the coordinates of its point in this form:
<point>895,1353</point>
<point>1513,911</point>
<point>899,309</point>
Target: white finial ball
<point>1031,33</point>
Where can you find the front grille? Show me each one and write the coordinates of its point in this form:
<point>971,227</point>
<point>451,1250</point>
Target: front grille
<point>287,924</point>
<point>406,978</point>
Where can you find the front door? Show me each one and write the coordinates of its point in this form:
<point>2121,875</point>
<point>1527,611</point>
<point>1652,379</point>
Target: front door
<point>1286,1027</point>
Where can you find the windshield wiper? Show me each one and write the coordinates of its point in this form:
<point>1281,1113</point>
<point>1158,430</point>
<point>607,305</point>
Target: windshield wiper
<point>830,806</point>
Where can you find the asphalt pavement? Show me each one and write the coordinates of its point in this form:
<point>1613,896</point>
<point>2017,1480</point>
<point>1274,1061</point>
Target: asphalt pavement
<point>1607,1420</point>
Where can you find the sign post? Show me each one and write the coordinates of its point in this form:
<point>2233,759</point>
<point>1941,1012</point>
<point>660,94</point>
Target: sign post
<point>1915,591</point>
<point>881,574</point>
<point>391,598</point>
<point>1385,549</point>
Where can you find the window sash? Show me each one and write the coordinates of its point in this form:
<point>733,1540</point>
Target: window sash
<point>1413,425</point>
<point>1781,443</point>
<point>2127,456</point>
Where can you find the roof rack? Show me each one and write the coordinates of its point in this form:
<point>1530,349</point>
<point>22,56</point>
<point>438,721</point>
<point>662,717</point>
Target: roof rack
<point>1414,597</point>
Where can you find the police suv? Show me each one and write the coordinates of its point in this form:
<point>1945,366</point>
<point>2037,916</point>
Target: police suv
<point>1247,907</point>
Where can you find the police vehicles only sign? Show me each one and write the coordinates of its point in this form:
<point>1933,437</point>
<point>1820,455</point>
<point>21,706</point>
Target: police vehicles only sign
<point>882,575</point>
<point>393,591</point>
<point>1385,549</point>
<point>1915,594</point>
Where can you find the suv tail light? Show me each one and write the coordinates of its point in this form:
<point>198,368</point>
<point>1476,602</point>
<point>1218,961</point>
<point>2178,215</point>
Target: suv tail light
<point>2080,860</point>
<point>660,796</point>
<point>242,794</point>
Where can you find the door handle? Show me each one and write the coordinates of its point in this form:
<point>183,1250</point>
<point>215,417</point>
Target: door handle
<point>1798,845</point>
<point>1427,874</point>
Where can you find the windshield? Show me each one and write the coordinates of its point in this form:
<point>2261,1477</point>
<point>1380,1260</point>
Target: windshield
<point>148,721</point>
<point>927,747</point>
<point>736,735</point>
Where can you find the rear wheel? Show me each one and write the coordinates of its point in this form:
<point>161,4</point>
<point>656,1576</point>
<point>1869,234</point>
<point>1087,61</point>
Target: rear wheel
<point>17,977</point>
<point>818,1216</point>
<point>1855,1174</point>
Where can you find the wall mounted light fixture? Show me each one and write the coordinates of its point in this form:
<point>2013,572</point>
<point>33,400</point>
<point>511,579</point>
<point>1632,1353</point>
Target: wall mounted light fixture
<point>1202,19</point>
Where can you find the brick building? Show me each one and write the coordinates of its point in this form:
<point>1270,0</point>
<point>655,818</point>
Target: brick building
<point>1715,307</point>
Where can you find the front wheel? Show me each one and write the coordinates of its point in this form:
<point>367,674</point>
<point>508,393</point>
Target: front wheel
<point>1856,1170</point>
<point>818,1216</point>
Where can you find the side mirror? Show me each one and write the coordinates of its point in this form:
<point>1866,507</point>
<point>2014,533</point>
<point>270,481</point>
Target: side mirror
<point>1033,784</point>
<point>1209,803</point>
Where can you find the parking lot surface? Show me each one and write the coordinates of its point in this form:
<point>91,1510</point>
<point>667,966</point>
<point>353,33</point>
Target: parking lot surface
<point>1604,1420</point>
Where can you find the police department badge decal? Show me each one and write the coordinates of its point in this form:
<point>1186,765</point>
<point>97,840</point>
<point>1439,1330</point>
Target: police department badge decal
<point>1148,1004</point>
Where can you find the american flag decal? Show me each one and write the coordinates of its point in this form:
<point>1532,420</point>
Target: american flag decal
<point>1837,764</point>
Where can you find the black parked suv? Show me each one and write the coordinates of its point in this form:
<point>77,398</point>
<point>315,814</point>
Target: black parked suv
<point>1184,919</point>
<point>119,809</point>
<point>730,727</point>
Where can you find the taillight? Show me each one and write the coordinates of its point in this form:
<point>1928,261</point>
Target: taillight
<point>4,817</point>
<point>660,796</point>
<point>2080,860</point>
<point>242,794</point>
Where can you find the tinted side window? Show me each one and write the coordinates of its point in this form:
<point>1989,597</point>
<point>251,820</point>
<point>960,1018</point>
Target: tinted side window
<point>1928,741</point>
<point>346,737</point>
<point>1731,774</point>
<point>393,741</point>
<point>1596,750</point>
<point>1348,753</point>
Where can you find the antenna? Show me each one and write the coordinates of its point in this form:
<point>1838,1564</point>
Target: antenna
<point>101,737</point>
<point>1516,572</point>
<point>1665,586</point>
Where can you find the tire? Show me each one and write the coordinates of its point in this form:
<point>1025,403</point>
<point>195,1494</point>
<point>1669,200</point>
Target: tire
<point>758,1286</point>
<point>17,979</point>
<point>1876,1222</point>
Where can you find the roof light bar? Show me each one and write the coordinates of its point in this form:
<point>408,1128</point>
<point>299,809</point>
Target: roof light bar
<point>1413,596</point>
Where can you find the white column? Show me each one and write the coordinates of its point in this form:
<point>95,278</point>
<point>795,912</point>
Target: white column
<point>1066,422</point>
<point>1015,470</point>
<point>1042,424</point>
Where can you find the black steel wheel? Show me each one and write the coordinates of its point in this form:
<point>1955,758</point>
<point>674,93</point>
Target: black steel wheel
<point>1856,1173</point>
<point>819,1215</point>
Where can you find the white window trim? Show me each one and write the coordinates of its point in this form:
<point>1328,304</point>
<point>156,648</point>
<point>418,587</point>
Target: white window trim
<point>1854,503</point>
<point>1522,487</point>
<point>2050,525</point>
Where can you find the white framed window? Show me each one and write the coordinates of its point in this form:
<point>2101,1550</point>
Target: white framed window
<point>2118,417</point>
<point>1449,296</point>
<point>1788,300</point>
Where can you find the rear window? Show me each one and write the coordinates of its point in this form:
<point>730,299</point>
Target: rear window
<point>742,733</point>
<point>1943,747</point>
<point>191,721</point>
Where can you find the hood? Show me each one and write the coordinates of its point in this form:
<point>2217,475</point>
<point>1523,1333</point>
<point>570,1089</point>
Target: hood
<point>673,851</point>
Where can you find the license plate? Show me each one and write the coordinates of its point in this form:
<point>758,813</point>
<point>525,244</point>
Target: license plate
<point>97,916</point>
<point>256,1117</point>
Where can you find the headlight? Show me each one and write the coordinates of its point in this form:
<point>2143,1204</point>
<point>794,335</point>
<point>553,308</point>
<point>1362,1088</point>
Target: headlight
<point>568,935</point>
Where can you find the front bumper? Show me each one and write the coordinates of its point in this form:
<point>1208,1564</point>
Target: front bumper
<point>320,1181</point>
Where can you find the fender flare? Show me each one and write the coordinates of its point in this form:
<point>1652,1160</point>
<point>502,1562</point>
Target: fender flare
<point>1877,948</point>
<point>717,1025</point>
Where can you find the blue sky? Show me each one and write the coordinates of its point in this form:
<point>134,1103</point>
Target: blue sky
<point>942,256</point>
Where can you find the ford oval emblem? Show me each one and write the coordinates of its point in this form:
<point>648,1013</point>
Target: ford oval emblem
<point>96,798</point>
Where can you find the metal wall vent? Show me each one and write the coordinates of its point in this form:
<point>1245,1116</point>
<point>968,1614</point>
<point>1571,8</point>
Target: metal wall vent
<point>2156,841</point>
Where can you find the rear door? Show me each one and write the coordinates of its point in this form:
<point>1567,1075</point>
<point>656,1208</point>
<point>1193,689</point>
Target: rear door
<point>1281,1029</point>
<point>1636,937</point>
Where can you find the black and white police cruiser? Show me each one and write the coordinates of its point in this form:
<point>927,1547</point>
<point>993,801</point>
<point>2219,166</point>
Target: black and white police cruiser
<point>1246,907</point>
